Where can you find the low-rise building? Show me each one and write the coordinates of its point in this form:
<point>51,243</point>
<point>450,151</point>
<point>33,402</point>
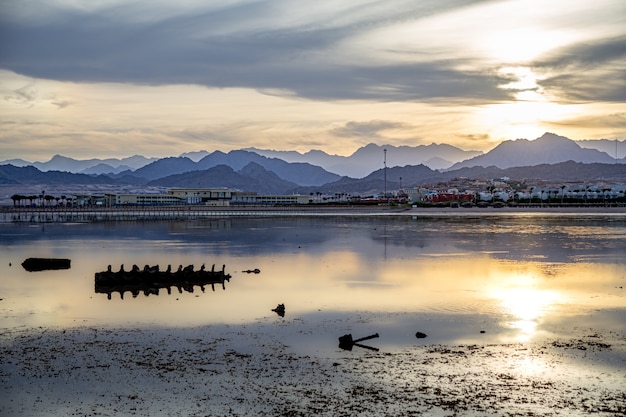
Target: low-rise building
<point>206,196</point>
<point>251,199</point>
<point>142,200</point>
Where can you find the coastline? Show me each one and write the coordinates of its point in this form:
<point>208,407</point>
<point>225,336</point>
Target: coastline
<point>269,365</point>
<point>250,369</point>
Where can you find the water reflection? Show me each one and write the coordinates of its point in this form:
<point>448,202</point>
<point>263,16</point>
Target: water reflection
<point>514,277</point>
<point>527,306</point>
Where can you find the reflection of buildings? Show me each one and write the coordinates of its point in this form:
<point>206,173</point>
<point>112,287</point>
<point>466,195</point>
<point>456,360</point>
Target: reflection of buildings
<point>151,280</point>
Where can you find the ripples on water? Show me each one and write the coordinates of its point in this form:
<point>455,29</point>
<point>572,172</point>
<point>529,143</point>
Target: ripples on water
<point>524,271</point>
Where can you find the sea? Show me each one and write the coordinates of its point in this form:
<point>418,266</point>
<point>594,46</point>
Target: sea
<point>466,278</point>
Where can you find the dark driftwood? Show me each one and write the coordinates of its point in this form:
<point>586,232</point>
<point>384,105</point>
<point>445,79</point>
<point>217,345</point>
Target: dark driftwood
<point>346,342</point>
<point>43,264</point>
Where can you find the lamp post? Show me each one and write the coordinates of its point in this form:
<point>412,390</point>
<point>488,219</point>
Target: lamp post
<point>385,170</point>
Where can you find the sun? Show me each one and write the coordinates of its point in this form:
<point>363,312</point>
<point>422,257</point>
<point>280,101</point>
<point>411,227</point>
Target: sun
<point>521,45</point>
<point>530,111</point>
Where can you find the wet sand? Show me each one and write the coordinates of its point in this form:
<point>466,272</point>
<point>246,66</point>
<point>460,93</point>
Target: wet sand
<point>253,369</point>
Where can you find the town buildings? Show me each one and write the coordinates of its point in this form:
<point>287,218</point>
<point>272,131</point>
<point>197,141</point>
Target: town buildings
<point>454,192</point>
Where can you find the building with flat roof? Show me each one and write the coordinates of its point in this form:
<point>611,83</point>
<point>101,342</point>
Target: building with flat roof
<point>193,196</point>
<point>206,196</point>
<point>142,200</point>
<point>248,199</point>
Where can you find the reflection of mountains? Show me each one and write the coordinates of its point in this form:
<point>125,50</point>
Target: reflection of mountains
<point>546,239</point>
<point>550,238</point>
<point>232,235</point>
<point>151,280</point>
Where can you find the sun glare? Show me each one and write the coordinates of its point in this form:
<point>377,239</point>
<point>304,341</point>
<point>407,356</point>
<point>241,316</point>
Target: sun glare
<point>526,307</point>
<point>523,45</point>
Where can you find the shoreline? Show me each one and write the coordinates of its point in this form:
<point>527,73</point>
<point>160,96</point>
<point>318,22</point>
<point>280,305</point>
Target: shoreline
<point>250,369</point>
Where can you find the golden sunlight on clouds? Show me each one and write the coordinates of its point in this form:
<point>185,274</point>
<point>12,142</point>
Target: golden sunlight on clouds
<point>518,46</point>
<point>43,117</point>
<point>158,119</point>
<point>248,74</point>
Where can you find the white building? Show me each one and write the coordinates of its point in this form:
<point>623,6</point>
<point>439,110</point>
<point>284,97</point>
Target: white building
<point>206,196</point>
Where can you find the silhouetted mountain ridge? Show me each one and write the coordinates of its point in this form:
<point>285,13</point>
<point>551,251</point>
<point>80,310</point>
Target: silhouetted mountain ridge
<point>371,156</point>
<point>547,149</point>
<point>253,172</point>
<point>253,178</point>
<point>10,174</point>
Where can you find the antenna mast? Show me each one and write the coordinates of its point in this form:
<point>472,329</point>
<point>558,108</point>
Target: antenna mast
<point>385,169</point>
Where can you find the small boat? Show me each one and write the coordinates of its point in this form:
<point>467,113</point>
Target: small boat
<point>44,264</point>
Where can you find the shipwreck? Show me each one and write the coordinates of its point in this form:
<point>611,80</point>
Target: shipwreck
<point>150,280</point>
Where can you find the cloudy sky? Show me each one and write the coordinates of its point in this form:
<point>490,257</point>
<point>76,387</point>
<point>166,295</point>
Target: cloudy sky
<point>111,78</point>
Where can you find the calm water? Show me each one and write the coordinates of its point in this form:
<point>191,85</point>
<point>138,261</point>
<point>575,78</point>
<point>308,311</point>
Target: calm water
<point>516,277</point>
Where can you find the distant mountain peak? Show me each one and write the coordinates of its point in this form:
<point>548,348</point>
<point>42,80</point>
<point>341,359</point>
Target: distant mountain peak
<point>548,135</point>
<point>549,148</point>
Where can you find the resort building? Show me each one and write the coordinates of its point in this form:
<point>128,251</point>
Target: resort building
<point>439,196</point>
<point>219,197</point>
<point>205,196</point>
<point>243,199</point>
<point>81,200</point>
<point>142,200</point>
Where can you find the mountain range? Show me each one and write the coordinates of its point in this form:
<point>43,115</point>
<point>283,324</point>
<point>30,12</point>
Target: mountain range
<point>549,157</point>
<point>86,166</point>
<point>372,156</point>
<point>547,149</point>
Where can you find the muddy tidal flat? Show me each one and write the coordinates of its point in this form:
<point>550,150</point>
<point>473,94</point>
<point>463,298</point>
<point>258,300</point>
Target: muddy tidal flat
<point>251,369</point>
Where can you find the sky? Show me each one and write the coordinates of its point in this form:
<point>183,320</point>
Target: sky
<point>115,78</point>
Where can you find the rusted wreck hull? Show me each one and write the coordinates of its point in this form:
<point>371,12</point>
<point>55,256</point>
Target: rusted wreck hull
<point>150,280</point>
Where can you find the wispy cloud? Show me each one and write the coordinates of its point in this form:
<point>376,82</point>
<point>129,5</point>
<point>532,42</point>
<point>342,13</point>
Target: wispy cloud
<point>261,45</point>
<point>593,70</point>
<point>332,73</point>
<point>372,129</point>
<point>615,120</point>
<point>25,95</point>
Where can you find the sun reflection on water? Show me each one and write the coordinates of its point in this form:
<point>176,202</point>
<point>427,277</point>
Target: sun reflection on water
<point>526,307</point>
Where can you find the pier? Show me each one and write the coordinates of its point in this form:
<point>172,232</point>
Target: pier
<point>138,214</point>
<point>170,213</point>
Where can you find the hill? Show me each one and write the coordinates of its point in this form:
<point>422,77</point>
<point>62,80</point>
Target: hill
<point>547,149</point>
<point>253,177</point>
<point>370,157</point>
<point>298,173</point>
<point>10,174</point>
